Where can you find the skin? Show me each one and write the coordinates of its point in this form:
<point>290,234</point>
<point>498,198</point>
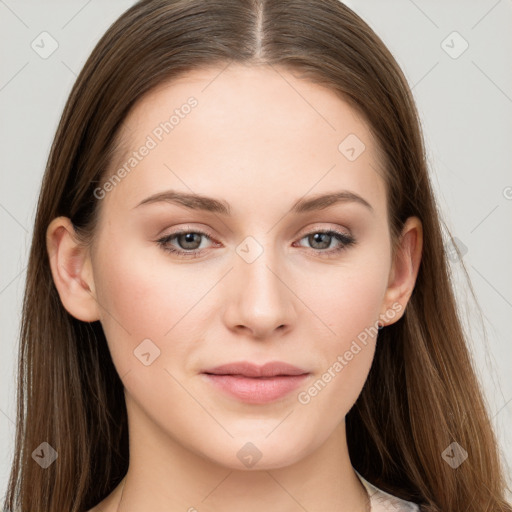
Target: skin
<point>259,138</point>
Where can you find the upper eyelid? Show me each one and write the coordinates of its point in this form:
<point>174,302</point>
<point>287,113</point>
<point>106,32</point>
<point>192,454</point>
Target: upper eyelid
<point>206,232</point>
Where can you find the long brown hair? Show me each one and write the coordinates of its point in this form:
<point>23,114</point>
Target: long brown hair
<point>421,394</point>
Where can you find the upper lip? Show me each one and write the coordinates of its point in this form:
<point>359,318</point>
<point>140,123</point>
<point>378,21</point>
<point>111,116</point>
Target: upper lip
<point>247,369</point>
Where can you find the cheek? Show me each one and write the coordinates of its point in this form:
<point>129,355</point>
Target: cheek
<point>349,302</point>
<point>141,298</point>
<point>349,297</point>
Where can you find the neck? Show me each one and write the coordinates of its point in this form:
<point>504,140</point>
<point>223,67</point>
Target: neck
<point>165,475</point>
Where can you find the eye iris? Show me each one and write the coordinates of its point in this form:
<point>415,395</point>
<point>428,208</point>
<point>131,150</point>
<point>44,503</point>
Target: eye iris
<point>188,238</point>
<point>190,241</point>
<point>317,237</point>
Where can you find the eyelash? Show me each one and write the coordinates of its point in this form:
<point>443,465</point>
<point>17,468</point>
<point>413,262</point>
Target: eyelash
<point>345,240</point>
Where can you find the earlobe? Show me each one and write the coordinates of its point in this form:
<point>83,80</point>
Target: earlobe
<point>404,270</point>
<point>71,270</point>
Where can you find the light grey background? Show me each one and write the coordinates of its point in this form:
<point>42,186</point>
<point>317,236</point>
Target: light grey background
<point>465,105</point>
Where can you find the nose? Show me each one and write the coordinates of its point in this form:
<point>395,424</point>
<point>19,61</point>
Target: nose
<point>260,300</point>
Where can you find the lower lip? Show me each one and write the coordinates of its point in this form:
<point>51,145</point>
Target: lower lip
<point>257,390</point>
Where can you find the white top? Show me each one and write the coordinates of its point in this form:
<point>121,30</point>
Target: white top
<point>381,501</point>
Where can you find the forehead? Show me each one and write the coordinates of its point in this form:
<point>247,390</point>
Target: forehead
<point>252,129</point>
<point>256,99</point>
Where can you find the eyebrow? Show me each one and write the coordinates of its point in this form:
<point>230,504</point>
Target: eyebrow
<point>210,204</point>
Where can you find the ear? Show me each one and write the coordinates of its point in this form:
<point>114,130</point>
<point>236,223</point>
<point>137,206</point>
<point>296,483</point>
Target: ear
<point>404,270</point>
<point>71,270</point>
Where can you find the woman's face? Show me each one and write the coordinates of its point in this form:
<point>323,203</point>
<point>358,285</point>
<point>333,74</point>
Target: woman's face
<point>258,281</point>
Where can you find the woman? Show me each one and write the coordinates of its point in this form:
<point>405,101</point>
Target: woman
<point>237,295</point>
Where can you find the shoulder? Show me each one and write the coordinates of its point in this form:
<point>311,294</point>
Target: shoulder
<point>104,506</point>
<point>382,501</point>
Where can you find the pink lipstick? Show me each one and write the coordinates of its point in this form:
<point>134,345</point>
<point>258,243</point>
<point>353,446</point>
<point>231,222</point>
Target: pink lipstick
<point>256,384</point>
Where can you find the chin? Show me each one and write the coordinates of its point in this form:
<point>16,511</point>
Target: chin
<point>254,453</point>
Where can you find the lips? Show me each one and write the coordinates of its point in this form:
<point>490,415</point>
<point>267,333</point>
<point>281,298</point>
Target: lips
<point>247,369</point>
<point>255,384</point>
